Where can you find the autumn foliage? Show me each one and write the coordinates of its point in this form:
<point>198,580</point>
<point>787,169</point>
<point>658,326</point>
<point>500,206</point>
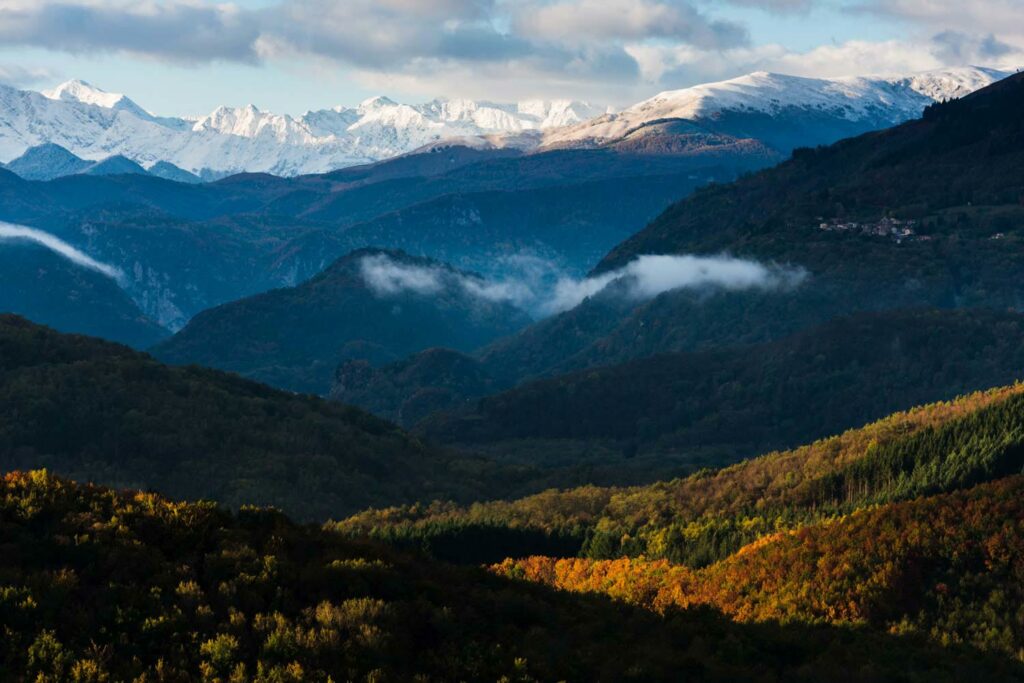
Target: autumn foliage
<point>103,586</point>
<point>950,567</point>
<point>708,516</point>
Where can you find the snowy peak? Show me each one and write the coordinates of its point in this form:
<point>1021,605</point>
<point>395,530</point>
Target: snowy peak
<point>876,101</point>
<point>383,127</point>
<point>374,103</point>
<point>250,122</point>
<point>80,91</point>
<point>94,124</point>
<point>770,92</point>
<point>84,93</point>
<point>946,84</point>
<point>560,113</point>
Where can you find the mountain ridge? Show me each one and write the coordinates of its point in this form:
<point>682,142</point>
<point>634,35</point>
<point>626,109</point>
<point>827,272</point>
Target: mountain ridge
<point>99,411</point>
<point>735,105</point>
<point>93,123</point>
<point>371,304</point>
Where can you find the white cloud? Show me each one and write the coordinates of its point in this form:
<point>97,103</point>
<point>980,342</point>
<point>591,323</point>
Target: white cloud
<point>677,66</point>
<point>855,57</point>
<point>989,32</point>
<point>965,48</point>
<point>973,16</point>
<point>588,20</point>
<point>177,30</point>
<point>614,51</point>
<point>387,277</point>
<point>22,76</point>
<point>648,276</point>
<point>9,231</point>
<point>537,286</point>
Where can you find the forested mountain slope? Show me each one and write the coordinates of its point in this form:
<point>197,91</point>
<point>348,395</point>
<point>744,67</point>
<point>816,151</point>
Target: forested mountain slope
<point>725,404</point>
<point>572,225</point>
<point>955,172</point>
<point>158,590</point>
<point>185,248</point>
<point>38,282</point>
<point>925,214</point>
<point>101,412</point>
<point>711,514</point>
<point>946,566</point>
<point>369,305</point>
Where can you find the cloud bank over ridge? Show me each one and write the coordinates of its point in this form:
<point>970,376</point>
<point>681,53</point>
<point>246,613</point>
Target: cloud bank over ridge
<point>535,290</point>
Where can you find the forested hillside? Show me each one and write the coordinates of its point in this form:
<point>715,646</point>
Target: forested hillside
<point>948,567</point>
<point>720,406</point>
<point>101,412</point>
<point>954,172</point>
<point>573,226</point>
<point>37,281</point>
<point>152,589</point>
<point>370,305</point>
<point>708,516</point>
<point>909,526</point>
<point>98,411</point>
<point>925,214</point>
<point>411,389</point>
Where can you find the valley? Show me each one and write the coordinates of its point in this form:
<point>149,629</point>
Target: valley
<point>724,385</point>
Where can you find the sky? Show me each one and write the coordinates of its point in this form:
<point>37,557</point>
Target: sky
<point>186,57</point>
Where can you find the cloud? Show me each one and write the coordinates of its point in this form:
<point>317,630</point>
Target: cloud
<point>776,6</point>
<point>618,50</point>
<point>386,34</point>
<point>648,276</point>
<point>552,46</point>
<point>963,48</point>
<point>539,287</point>
<point>987,32</point>
<point>976,16</point>
<point>178,31</point>
<point>675,66</point>
<point>603,20</point>
<point>21,76</point>
<point>9,231</point>
<point>388,277</point>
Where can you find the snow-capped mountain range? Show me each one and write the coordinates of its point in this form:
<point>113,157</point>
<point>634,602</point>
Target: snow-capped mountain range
<point>94,124</point>
<point>876,101</point>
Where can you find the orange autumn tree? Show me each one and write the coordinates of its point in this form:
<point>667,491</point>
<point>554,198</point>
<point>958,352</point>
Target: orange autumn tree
<point>949,566</point>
